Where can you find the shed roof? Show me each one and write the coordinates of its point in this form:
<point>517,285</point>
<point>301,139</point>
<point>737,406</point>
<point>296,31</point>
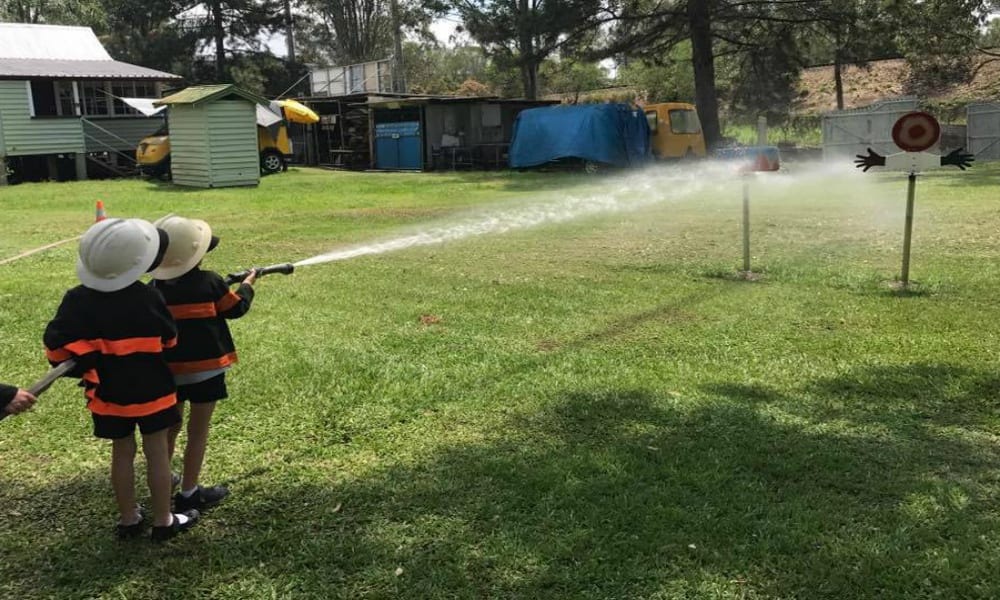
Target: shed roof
<point>386,102</point>
<point>203,94</point>
<point>61,52</point>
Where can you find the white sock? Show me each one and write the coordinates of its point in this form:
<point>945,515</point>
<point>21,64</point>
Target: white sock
<point>180,519</point>
<point>190,492</point>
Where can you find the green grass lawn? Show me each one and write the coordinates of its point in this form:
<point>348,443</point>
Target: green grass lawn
<point>596,408</point>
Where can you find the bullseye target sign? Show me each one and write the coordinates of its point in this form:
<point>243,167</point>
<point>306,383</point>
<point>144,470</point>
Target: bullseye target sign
<point>916,132</point>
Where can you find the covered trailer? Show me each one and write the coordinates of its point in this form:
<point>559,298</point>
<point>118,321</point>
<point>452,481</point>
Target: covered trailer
<point>595,134</point>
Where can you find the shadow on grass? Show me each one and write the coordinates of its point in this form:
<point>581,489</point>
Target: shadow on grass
<point>620,493</point>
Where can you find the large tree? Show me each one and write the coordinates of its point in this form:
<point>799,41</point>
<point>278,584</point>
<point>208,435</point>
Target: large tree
<point>146,32</point>
<point>940,38</point>
<point>649,28</point>
<point>850,32</point>
<point>231,26</point>
<point>523,33</point>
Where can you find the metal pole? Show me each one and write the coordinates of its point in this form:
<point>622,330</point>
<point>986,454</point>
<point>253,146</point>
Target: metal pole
<point>746,224</point>
<point>908,229</point>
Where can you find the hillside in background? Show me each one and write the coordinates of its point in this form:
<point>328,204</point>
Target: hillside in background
<point>887,79</point>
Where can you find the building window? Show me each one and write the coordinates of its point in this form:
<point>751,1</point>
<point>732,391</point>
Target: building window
<point>101,98</point>
<point>94,99</point>
<point>52,99</point>
<point>65,102</point>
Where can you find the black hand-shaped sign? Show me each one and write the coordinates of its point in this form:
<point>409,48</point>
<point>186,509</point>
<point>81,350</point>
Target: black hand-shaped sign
<point>958,158</point>
<point>873,159</point>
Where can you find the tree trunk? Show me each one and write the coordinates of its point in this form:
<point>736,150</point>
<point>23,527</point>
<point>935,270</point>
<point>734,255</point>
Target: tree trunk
<point>838,81</point>
<point>703,62</point>
<point>289,31</point>
<point>398,74</point>
<point>219,33</point>
<point>526,46</point>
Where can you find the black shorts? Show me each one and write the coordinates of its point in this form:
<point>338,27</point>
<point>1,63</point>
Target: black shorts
<point>114,428</point>
<point>203,392</point>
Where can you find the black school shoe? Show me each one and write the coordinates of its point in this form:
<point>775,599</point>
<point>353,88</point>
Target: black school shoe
<point>162,534</point>
<point>126,532</point>
<point>204,497</point>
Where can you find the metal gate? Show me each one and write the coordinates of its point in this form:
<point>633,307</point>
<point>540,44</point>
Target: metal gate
<point>983,130</point>
<point>850,132</point>
<point>397,146</point>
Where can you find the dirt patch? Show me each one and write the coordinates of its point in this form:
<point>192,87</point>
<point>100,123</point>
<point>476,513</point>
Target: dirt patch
<point>428,320</point>
<point>884,79</point>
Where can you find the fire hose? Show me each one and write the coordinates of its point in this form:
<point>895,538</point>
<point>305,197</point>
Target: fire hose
<point>284,269</point>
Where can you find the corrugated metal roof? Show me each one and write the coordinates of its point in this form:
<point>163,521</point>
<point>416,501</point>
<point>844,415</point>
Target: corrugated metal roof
<point>200,94</point>
<point>25,68</point>
<point>57,51</point>
<point>21,40</point>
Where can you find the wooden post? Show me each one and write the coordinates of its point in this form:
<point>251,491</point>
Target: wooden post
<point>762,130</point>
<point>746,224</point>
<point>81,166</point>
<point>908,229</point>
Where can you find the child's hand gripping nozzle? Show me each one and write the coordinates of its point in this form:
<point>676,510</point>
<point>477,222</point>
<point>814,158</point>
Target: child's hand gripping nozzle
<point>284,269</point>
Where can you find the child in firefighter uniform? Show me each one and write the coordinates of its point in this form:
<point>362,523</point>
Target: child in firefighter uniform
<point>116,329</point>
<point>200,302</point>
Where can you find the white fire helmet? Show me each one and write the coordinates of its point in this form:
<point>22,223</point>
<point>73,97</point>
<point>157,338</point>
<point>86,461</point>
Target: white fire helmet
<point>114,253</point>
<point>190,239</point>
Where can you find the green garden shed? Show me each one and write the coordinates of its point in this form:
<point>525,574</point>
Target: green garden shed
<point>213,136</point>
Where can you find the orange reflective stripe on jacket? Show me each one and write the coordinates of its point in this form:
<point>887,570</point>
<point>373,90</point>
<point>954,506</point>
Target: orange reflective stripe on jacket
<point>100,407</point>
<point>57,355</point>
<point>116,347</point>
<point>197,310</point>
<point>170,343</point>
<point>228,301</point>
<point>197,366</point>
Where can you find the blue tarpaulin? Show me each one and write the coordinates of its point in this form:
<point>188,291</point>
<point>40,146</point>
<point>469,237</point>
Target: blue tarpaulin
<point>613,134</point>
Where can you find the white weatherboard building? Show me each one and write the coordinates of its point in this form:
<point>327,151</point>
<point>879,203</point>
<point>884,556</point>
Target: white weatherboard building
<point>62,102</point>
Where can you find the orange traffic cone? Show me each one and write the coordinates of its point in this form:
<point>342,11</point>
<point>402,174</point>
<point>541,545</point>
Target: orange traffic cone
<point>100,212</point>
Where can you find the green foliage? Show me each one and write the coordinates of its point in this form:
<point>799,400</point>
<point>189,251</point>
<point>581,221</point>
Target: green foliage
<point>435,69</point>
<point>524,34</point>
<point>766,82</point>
<point>56,12</point>
<point>668,80</point>
<point>568,76</point>
<point>938,38</point>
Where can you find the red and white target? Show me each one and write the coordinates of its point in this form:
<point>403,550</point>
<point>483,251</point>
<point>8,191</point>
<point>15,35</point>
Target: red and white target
<point>916,132</point>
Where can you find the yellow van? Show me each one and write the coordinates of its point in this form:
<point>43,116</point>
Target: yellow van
<point>675,131</point>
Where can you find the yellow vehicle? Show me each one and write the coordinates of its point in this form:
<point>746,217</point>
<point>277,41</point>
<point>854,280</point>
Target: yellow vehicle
<point>153,152</point>
<point>675,131</point>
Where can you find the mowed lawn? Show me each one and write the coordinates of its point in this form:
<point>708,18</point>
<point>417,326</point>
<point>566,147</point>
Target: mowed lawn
<point>596,408</point>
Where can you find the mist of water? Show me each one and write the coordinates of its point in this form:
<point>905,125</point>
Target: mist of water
<point>630,192</point>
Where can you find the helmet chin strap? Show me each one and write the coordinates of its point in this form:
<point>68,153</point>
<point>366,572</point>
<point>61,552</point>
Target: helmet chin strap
<point>164,242</point>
